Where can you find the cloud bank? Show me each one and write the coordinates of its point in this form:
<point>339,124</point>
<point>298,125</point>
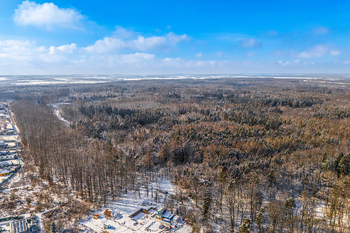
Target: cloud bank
<point>141,43</point>
<point>316,51</point>
<point>46,15</point>
<point>127,51</point>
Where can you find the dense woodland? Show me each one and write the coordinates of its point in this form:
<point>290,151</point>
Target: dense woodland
<point>250,155</point>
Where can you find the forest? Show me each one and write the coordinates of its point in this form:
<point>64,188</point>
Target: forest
<point>251,155</point>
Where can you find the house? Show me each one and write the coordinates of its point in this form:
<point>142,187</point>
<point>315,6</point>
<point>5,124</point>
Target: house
<point>141,213</point>
<point>3,144</point>
<point>7,128</point>
<point>164,215</point>
<point>138,214</point>
<point>4,164</point>
<point>18,226</point>
<point>4,172</point>
<point>178,222</point>
<point>32,223</point>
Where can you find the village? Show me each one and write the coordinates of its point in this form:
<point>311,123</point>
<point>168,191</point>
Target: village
<point>10,161</point>
<point>10,164</point>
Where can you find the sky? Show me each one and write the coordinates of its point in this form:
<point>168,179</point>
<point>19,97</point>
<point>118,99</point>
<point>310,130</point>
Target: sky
<point>172,37</point>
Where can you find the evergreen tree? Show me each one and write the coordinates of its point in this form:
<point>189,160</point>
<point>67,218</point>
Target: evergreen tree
<point>53,227</point>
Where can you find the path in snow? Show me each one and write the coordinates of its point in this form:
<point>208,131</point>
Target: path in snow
<point>58,115</point>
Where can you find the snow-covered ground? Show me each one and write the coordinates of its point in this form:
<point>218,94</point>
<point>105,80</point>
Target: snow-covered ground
<point>2,178</point>
<point>57,113</point>
<point>128,204</point>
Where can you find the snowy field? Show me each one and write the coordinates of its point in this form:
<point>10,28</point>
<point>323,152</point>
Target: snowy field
<point>29,80</point>
<point>128,204</point>
<point>2,178</point>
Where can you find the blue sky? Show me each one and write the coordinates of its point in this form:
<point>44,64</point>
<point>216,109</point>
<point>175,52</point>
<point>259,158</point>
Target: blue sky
<point>166,37</point>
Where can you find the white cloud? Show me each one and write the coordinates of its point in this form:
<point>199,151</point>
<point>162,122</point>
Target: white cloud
<point>145,43</point>
<point>199,55</point>
<point>16,50</point>
<point>334,53</point>
<point>182,63</point>
<point>132,58</point>
<point>108,44</point>
<point>104,53</point>
<point>141,43</point>
<point>121,32</point>
<point>26,52</point>
<point>63,48</point>
<point>46,15</point>
<point>249,43</point>
<point>25,56</point>
<point>250,54</point>
<point>316,51</point>
<point>286,63</point>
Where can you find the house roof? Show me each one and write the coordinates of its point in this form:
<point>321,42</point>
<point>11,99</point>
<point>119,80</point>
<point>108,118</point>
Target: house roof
<point>3,171</point>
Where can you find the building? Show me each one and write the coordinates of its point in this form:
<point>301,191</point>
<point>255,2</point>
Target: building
<point>32,224</point>
<point>7,128</point>
<point>164,215</point>
<point>3,144</point>
<point>4,172</point>
<point>18,226</point>
<point>178,222</point>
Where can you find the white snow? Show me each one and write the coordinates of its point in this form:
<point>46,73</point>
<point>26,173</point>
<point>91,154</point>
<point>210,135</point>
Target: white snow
<point>58,115</point>
<point>128,204</point>
<point>138,216</point>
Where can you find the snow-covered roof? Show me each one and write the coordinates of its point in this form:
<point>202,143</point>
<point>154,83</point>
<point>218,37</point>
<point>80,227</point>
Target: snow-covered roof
<point>3,171</point>
<point>139,216</point>
<point>167,214</point>
<point>178,219</point>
